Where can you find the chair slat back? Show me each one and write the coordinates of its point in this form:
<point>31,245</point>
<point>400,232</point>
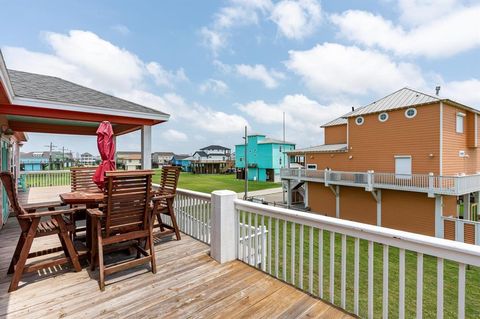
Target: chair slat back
<point>11,190</point>
<point>169,180</point>
<point>127,195</point>
<point>82,179</point>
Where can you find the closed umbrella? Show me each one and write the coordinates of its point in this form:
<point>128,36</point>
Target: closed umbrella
<point>106,147</point>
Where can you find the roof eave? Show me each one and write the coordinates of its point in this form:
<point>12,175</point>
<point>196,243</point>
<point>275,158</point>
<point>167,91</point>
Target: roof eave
<point>5,78</point>
<point>88,109</point>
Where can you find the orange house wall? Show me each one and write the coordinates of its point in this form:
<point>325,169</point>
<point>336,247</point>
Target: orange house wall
<point>321,199</point>
<point>454,142</point>
<point>358,205</point>
<point>336,134</point>
<point>374,144</point>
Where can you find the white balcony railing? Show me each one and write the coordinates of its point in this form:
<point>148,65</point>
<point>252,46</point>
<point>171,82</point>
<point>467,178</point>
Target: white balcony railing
<point>427,183</point>
<point>45,178</point>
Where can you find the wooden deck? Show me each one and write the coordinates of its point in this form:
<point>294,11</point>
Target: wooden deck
<point>37,195</point>
<point>188,283</point>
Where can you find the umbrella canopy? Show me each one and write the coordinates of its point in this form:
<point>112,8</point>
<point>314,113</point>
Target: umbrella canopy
<point>106,147</point>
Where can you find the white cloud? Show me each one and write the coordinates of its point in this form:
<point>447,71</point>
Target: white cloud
<point>330,69</point>
<point>214,86</point>
<point>174,135</point>
<point>121,29</point>
<point>212,39</point>
<point>164,77</point>
<point>465,92</point>
<point>259,72</point>
<point>303,116</point>
<point>454,33</point>
<point>417,12</point>
<point>297,19</point>
<point>204,117</point>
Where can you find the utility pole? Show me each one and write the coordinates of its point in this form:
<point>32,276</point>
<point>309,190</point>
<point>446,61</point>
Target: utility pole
<point>51,147</point>
<point>245,196</point>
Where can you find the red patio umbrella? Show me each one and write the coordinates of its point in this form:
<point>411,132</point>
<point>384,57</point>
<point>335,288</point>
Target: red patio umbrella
<point>106,147</point>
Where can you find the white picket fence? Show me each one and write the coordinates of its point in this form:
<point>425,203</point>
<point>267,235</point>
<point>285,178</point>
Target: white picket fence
<point>45,178</point>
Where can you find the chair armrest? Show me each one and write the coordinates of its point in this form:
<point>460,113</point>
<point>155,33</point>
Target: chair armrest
<point>160,197</point>
<point>30,207</point>
<point>49,213</point>
<point>94,212</point>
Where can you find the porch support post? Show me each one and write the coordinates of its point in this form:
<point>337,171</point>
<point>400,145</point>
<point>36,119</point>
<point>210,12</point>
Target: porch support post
<point>438,216</point>
<point>146,147</point>
<point>224,230</point>
<point>377,195</point>
<point>337,201</point>
<point>305,199</point>
<point>466,207</point>
<point>289,193</point>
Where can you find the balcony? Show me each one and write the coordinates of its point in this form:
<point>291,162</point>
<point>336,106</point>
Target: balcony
<point>259,252</point>
<point>423,183</point>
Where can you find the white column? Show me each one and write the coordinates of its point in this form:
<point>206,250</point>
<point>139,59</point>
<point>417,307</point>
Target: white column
<point>289,193</point>
<point>438,216</point>
<point>146,147</point>
<point>224,231</point>
<point>379,207</point>
<point>305,200</point>
<point>466,207</point>
<point>337,201</point>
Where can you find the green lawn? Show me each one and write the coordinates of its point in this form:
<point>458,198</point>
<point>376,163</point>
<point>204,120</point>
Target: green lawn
<point>430,275</point>
<point>207,183</point>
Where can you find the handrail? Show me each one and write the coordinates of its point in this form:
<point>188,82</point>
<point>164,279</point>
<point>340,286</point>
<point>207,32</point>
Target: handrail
<point>442,248</point>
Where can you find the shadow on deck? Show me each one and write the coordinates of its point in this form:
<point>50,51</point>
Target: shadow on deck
<point>188,283</point>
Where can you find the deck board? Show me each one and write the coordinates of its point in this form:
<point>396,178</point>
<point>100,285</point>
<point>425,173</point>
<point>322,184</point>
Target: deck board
<point>188,283</point>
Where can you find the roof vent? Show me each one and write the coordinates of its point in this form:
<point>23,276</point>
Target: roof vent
<point>437,90</point>
<point>353,109</point>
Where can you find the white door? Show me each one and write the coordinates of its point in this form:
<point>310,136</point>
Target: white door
<point>403,166</point>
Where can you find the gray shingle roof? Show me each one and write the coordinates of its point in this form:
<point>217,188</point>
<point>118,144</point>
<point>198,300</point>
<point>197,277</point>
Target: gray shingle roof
<point>402,98</point>
<point>214,147</point>
<point>322,148</point>
<point>49,88</point>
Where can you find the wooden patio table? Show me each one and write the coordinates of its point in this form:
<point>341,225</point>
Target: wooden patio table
<point>90,200</point>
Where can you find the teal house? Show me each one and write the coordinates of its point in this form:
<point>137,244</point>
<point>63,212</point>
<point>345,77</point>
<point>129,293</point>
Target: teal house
<point>265,157</point>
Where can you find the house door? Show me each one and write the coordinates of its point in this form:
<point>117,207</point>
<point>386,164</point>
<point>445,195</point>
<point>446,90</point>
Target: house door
<point>403,167</point>
<point>4,168</point>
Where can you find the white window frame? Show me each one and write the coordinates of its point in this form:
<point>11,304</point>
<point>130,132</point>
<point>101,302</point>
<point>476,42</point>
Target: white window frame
<point>380,117</point>
<point>411,116</point>
<point>359,117</point>
<point>402,175</point>
<point>312,167</point>
<point>460,129</point>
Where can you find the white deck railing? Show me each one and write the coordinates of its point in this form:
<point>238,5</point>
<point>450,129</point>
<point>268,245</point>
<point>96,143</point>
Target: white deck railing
<point>427,183</point>
<point>45,178</point>
<point>367,270</point>
<point>462,230</point>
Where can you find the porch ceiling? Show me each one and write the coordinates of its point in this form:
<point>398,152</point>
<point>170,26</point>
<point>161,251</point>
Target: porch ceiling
<point>62,126</point>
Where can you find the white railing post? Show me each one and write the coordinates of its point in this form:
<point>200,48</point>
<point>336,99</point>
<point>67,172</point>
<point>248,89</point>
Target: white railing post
<point>430,184</point>
<point>223,231</point>
<point>326,173</point>
<point>370,180</point>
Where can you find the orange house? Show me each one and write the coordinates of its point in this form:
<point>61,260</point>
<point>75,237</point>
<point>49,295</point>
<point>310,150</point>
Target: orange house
<point>408,161</point>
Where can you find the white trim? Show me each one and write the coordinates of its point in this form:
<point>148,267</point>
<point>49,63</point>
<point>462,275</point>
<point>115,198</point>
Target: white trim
<point>380,119</point>
<point>348,136</point>
<point>87,109</point>
<point>359,117</point>
<point>5,78</point>
<point>412,116</point>
<point>475,130</point>
<point>460,129</point>
<point>441,138</point>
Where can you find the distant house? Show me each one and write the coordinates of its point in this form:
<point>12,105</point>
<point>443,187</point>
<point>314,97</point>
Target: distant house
<point>161,158</point>
<point>265,158</point>
<point>181,160</point>
<point>213,159</point>
<point>129,160</point>
<point>39,161</point>
<point>87,159</point>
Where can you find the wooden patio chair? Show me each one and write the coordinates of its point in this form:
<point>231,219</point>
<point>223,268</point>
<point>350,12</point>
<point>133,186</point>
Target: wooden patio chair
<point>125,219</point>
<point>163,200</point>
<point>55,222</point>
<point>81,180</point>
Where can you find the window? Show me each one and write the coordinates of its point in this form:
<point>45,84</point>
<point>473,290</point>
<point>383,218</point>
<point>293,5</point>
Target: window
<point>280,161</point>
<point>383,117</point>
<point>410,113</point>
<point>280,149</point>
<point>359,120</point>
<point>459,125</point>
<point>403,166</point>
<point>312,166</point>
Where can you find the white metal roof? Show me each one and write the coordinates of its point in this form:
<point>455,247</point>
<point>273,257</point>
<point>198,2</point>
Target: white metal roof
<point>338,121</point>
<point>274,141</point>
<point>322,148</point>
<point>402,98</point>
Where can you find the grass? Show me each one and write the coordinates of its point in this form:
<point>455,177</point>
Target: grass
<point>429,280</point>
<point>207,183</point>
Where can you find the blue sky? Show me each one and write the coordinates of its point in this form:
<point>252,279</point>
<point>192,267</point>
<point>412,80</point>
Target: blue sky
<point>217,66</point>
